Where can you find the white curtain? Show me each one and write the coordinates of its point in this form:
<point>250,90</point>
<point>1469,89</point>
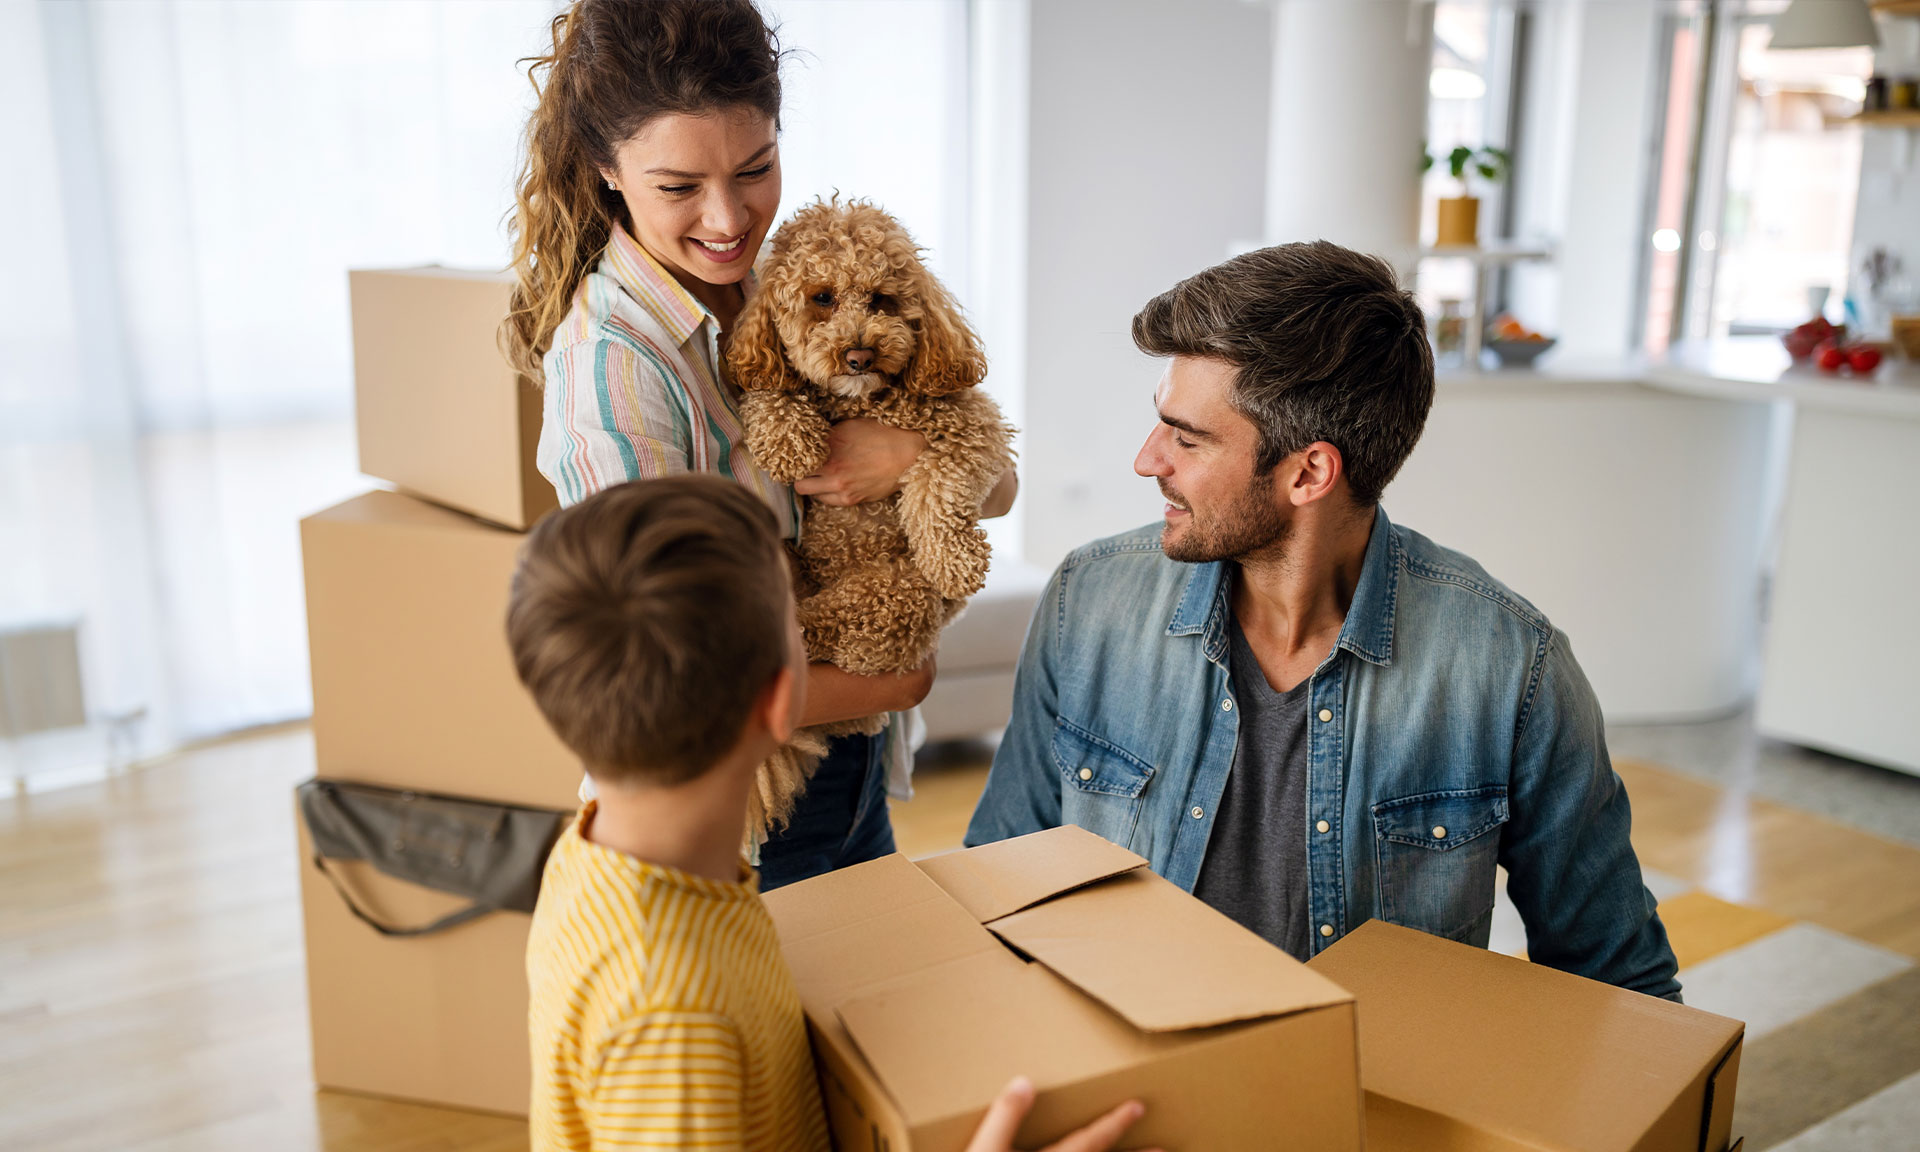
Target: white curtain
<point>187,182</point>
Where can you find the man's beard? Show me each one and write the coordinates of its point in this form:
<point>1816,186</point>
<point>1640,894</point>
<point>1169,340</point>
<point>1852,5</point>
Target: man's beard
<point>1248,525</point>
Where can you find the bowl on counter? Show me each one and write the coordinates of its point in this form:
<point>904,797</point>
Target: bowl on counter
<point>1519,353</point>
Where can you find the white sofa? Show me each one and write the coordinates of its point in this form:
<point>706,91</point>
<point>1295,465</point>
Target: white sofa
<point>979,651</point>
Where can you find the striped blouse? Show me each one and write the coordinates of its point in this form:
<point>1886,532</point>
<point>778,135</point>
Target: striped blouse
<point>633,388</point>
<point>661,1012</point>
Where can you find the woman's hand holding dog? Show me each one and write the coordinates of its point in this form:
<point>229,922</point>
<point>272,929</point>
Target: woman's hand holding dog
<point>865,460</point>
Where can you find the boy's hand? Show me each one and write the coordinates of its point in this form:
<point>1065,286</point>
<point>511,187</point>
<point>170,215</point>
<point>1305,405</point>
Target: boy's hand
<point>995,1133</point>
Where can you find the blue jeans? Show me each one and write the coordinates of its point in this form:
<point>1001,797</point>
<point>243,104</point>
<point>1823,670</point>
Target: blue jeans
<point>840,820</point>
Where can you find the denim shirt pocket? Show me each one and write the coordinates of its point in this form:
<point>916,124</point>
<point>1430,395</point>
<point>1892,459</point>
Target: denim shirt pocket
<point>1101,782</point>
<point>1435,855</point>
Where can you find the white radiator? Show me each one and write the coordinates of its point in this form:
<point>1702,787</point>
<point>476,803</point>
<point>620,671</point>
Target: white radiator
<point>40,687</point>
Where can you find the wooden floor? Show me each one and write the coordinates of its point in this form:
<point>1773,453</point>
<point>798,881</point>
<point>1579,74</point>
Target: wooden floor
<point>151,985</point>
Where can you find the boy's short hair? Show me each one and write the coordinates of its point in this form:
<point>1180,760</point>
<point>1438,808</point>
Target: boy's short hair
<point>646,619</point>
<point>1328,346</point>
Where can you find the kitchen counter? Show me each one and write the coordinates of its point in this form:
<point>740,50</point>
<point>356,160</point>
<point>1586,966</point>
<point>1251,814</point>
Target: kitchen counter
<point>1632,517</point>
<point>1641,504</point>
<point>1843,636</point>
<point>1757,368</point>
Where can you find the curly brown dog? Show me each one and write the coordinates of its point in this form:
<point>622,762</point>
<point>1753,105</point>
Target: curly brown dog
<point>848,322</point>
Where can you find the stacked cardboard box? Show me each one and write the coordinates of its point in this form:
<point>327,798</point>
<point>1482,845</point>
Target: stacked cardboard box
<point>413,687</point>
<point>439,411</point>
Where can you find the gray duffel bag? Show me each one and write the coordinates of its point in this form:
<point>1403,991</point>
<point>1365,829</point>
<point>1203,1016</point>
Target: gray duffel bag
<point>492,854</point>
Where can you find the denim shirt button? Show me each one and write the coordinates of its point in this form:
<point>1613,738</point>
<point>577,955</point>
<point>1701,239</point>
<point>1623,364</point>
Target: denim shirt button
<point>1323,826</point>
<point>1198,812</point>
<point>1086,773</point>
<point>1326,714</point>
<point>1326,929</point>
<point>1226,705</point>
<point>1439,833</point>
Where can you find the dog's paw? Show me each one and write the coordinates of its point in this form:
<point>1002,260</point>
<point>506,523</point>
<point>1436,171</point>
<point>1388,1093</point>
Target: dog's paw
<point>786,435</point>
<point>955,563</point>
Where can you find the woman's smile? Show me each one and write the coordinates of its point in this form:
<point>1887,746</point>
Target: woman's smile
<point>721,251</point>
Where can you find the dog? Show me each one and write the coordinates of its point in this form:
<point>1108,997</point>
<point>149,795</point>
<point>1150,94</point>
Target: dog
<point>848,322</point>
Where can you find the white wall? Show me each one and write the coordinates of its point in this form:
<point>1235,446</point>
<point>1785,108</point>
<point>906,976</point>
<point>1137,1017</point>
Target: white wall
<point>1146,153</point>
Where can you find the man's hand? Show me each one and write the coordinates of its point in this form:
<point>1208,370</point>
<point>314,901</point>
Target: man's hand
<point>865,460</point>
<point>996,1130</point>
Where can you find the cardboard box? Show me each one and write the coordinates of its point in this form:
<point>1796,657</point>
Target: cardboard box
<point>440,1019</point>
<point>1059,956</point>
<point>439,411</point>
<point>1469,1050</point>
<point>413,684</point>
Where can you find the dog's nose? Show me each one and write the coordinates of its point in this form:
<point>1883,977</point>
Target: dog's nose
<point>859,359</point>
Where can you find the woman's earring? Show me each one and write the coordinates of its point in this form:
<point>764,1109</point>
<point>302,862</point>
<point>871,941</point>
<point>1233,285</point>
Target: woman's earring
<point>613,186</point>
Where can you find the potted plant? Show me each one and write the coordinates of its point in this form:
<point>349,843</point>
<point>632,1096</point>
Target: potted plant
<point>1460,215</point>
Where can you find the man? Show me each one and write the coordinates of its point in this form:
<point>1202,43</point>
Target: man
<point>1300,712</point>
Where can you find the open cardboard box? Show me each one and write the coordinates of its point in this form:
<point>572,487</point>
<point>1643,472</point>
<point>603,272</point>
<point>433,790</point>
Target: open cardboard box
<point>438,409</point>
<point>1061,957</point>
<point>1470,1051</point>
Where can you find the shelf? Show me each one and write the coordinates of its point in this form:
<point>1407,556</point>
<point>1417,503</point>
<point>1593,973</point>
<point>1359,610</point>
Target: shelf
<point>1892,118</point>
<point>1499,252</point>
<point>1897,7</point>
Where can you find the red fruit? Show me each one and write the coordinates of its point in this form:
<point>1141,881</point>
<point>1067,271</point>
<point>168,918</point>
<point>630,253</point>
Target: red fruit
<point>1829,358</point>
<point>1863,358</point>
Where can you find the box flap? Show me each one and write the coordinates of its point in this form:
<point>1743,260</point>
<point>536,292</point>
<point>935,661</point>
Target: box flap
<point>995,880</point>
<point>945,1044</point>
<point>883,912</point>
<point>1517,1048</point>
<point>1716,1121</point>
<point>1162,959</point>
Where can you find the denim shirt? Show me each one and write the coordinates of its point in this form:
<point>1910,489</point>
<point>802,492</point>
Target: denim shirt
<point>1449,731</point>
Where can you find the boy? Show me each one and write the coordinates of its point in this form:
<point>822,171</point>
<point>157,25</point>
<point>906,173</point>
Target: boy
<point>654,626</point>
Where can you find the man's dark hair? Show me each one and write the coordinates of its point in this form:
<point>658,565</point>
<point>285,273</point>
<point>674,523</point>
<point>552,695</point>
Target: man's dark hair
<point>647,618</point>
<point>1328,347</point>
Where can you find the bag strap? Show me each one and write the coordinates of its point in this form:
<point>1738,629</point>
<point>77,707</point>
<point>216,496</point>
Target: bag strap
<point>451,919</point>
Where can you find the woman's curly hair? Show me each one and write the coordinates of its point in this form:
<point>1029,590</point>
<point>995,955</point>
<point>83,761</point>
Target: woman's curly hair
<point>615,65</point>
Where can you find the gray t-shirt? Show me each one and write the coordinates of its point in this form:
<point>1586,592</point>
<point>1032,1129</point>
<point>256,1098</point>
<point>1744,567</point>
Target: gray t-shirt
<point>1255,869</point>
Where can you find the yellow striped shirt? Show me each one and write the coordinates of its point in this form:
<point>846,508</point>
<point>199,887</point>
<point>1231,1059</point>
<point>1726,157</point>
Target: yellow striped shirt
<point>662,1014</point>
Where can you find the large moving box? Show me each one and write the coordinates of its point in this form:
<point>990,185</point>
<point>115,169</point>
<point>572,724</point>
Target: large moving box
<point>413,683</point>
<point>439,410</point>
<point>440,1018</point>
<point>1472,1051</point>
<point>1061,957</point>
<point>414,688</point>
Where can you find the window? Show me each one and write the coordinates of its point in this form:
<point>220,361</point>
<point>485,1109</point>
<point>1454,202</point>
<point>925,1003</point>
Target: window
<point>1751,214</point>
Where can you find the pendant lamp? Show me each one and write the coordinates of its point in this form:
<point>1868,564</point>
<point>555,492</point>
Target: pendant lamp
<point>1825,24</point>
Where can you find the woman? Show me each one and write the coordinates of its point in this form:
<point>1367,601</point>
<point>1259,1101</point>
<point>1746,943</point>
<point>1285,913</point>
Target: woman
<point>651,181</point>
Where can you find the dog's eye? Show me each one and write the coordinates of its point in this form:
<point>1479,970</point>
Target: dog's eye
<point>824,299</point>
<point>883,302</point>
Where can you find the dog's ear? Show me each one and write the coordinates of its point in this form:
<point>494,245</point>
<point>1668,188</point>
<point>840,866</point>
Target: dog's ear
<point>755,357</point>
<point>947,357</point>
